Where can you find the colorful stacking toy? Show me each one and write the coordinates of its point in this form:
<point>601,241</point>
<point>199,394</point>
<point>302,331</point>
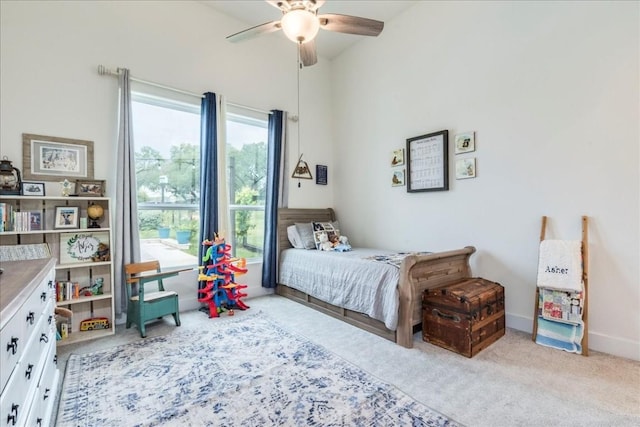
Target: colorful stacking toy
<point>219,271</point>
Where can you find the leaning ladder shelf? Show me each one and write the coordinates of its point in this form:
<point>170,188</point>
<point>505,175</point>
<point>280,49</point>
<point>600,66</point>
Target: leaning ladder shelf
<point>585,280</point>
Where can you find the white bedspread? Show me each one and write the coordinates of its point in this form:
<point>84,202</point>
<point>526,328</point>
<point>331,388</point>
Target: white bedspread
<point>345,279</point>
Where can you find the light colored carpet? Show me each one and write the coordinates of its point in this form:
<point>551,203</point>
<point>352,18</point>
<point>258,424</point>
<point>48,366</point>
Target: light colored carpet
<point>514,382</point>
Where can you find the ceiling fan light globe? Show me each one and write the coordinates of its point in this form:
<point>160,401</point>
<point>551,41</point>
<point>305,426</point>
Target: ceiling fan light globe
<point>300,26</point>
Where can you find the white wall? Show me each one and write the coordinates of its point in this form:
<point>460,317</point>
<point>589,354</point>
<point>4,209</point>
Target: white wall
<point>49,83</point>
<point>551,90</point>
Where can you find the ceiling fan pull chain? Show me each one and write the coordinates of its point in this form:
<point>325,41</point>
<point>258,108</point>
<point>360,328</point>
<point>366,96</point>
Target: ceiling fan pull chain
<point>298,83</point>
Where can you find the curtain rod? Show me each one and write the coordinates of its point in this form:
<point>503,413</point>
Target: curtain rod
<point>104,71</point>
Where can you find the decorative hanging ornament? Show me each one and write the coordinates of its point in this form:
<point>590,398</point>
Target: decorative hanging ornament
<point>10,178</point>
<point>302,170</point>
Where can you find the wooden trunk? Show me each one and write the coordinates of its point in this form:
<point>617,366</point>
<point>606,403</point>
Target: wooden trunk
<point>464,317</point>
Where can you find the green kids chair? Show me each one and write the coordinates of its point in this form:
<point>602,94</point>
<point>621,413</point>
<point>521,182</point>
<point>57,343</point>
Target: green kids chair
<point>144,305</point>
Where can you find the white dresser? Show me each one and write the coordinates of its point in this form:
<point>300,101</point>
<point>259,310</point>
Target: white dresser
<point>28,369</point>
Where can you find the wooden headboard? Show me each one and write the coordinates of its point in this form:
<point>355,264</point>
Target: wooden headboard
<point>289,216</point>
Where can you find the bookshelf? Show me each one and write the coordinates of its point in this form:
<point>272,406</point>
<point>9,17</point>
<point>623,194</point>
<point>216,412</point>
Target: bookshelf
<point>83,255</point>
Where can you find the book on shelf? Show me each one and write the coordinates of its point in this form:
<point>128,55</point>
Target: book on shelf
<point>67,291</point>
<point>6,216</point>
<point>12,220</point>
<point>35,221</point>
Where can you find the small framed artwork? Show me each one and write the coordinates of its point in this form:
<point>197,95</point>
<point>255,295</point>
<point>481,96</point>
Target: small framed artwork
<point>32,188</point>
<point>84,247</point>
<point>397,179</point>
<point>67,217</point>
<point>397,157</point>
<point>428,162</point>
<point>89,188</point>
<point>465,142</point>
<point>49,158</point>
<point>466,168</point>
<point>321,175</point>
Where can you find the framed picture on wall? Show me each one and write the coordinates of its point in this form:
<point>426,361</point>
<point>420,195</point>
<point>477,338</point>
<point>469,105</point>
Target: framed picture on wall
<point>466,168</point>
<point>465,142</point>
<point>427,162</point>
<point>321,174</point>
<point>397,178</point>
<point>397,157</point>
<point>50,158</point>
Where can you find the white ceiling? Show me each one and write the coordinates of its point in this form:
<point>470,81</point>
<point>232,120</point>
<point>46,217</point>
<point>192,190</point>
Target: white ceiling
<point>329,44</point>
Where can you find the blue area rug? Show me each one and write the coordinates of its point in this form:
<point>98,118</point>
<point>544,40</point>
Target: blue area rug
<point>243,371</point>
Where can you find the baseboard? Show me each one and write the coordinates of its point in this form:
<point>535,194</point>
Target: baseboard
<point>616,346</point>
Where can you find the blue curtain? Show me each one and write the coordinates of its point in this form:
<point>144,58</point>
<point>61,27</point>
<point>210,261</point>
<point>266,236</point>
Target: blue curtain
<point>208,172</point>
<point>273,199</point>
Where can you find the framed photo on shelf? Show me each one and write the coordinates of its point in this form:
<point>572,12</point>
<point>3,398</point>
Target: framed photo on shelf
<point>90,187</point>
<point>51,158</point>
<point>397,157</point>
<point>465,142</point>
<point>66,217</point>
<point>466,168</point>
<point>84,247</point>
<point>428,162</point>
<point>32,188</point>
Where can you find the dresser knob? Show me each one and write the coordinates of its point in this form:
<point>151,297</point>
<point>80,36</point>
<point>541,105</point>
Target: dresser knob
<point>50,319</point>
<point>13,416</point>
<point>27,373</point>
<point>44,338</point>
<point>43,296</point>
<point>31,317</point>
<point>46,394</point>
<point>13,345</point>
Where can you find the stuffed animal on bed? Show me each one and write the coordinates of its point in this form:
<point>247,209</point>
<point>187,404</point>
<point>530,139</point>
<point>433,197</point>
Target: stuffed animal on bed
<point>343,244</point>
<point>325,244</point>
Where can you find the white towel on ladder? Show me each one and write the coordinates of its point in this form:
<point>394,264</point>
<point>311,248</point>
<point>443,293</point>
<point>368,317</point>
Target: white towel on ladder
<point>560,265</point>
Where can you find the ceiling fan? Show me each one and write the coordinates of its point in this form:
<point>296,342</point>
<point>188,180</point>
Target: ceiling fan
<point>300,23</point>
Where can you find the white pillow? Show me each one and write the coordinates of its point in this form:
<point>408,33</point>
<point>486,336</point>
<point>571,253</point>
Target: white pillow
<point>294,237</point>
<point>305,230</point>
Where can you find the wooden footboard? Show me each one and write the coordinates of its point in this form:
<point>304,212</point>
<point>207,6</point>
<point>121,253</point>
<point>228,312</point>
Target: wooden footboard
<point>417,273</point>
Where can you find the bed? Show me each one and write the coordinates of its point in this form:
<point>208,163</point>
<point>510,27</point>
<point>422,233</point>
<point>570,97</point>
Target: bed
<point>416,273</point>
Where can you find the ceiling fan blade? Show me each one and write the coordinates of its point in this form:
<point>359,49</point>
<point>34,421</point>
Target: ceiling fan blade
<point>308,53</point>
<point>351,24</point>
<point>249,33</point>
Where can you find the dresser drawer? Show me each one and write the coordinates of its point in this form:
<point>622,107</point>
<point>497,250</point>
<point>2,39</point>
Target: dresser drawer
<point>29,373</point>
<point>14,336</point>
<point>14,401</point>
<point>13,340</point>
<point>42,408</point>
